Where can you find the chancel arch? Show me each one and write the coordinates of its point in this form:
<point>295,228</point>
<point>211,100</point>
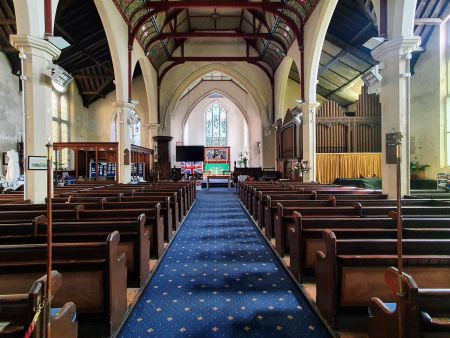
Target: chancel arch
<point>189,117</point>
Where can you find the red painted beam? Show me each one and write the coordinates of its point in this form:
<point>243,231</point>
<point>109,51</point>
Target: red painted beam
<point>158,7</point>
<point>48,18</point>
<point>196,35</point>
<point>215,58</point>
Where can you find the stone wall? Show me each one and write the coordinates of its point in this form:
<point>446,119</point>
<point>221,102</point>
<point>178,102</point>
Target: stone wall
<point>11,113</point>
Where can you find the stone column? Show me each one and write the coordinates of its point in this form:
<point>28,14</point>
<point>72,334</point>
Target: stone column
<point>37,54</point>
<point>309,137</point>
<point>394,56</point>
<point>123,110</point>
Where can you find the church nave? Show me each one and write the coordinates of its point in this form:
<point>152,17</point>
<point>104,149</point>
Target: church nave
<point>220,278</point>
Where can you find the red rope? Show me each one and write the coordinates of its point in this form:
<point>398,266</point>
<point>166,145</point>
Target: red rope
<point>33,322</point>
<point>30,330</point>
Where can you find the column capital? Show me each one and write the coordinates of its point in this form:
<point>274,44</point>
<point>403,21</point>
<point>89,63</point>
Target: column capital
<point>309,106</point>
<point>153,126</point>
<point>400,46</point>
<point>122,105</point>
<point>35,46</point>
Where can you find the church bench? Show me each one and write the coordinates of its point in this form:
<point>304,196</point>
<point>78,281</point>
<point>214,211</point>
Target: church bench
<point>154,222</point>
<point>182,195</point>
<point>84,200</point>
<point>18,309</point>
<point>93,193</point>
<point>305,235</point>
<point>270,205</point>
<point>175,195</point>
<point>28,215</point>
<point>134,239</point>
<point>251,201</point>
<point>55,206</point>
<point>176,201</point>
<point>183,200</point>
<point>94,276</point>
<point>408,210</point>
<point>262,195</point>
<point>351,272</point>
<point>172,200</point>
<point>285,218</point>
<point>267,206</point>
<point>190,187</point>
<point>256,195</point>
<point>244,187</point>
<point>426,310</point>
<point>165,210</point>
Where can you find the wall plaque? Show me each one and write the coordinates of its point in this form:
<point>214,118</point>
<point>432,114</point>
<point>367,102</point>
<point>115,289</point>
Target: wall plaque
<point>126,157</point>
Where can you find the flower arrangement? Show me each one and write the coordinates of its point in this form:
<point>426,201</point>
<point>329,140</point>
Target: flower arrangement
<point>242,160</point>
<point>302,166</point>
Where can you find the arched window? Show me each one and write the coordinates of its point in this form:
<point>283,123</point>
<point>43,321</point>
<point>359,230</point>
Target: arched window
<point>60,125</point>
<point>135,124</point>
<point>216,126</point>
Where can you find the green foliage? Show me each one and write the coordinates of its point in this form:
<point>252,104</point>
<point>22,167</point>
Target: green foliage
<point>416,167</point>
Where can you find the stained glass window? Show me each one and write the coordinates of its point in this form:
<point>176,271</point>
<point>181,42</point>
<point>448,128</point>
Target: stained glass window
<point>216,126</point>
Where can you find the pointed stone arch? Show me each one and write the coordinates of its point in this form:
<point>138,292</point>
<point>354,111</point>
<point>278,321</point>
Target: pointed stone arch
<point>253,93</point>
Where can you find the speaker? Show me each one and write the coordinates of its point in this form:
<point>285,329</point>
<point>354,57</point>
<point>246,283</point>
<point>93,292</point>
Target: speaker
<point>175,175</point>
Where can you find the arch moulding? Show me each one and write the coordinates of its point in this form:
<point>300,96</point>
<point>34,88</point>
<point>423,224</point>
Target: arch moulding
<point>253,93</point>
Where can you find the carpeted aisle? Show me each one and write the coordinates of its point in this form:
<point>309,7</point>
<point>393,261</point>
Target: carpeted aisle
<point>220,278</point>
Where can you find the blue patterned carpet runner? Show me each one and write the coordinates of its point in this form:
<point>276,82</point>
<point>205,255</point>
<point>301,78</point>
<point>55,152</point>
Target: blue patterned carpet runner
<point>220,278</point>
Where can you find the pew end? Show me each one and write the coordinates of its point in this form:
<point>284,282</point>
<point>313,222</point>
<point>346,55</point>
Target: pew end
<point>326,279</point>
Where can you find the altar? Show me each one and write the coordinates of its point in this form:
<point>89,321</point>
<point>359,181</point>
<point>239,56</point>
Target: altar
<point>218,177</point>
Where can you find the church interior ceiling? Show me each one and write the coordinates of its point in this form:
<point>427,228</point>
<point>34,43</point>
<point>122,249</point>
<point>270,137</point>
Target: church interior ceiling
<point>163,27</point>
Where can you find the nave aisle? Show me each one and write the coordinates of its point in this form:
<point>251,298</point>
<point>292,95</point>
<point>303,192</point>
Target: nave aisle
<point>220,278</point>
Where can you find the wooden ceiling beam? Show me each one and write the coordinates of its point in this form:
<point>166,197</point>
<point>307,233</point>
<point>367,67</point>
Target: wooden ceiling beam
<point>350,49</point>
<point>6,21</point>
<point>428,21</point>
<point>84,77</point>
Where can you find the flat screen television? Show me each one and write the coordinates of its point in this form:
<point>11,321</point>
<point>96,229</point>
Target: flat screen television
<point>189,153</point>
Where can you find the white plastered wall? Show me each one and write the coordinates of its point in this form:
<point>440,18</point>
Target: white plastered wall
<point>429,92</point>
<point>240,107</point>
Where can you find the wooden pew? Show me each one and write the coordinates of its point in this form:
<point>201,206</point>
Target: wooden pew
<point>164,203</point>
<point>267,208</point>
<point>154,222</point>
<point>29,215</point>
<point>176,220</point>
<point>423,310</point>
<point>94,276</point>
<point>352,270</point>
<point>305,235</point>
<point>285,218</point>
<point>134,239</point>
<point>18,309</point>
<point>270,200</point>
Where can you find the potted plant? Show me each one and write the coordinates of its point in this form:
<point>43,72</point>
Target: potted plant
<point>417,170</point>
<point>242,161</point>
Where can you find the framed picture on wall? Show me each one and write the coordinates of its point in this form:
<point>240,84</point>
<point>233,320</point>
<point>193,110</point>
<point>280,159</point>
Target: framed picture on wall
<point>217,154</point>
<point>37,163</point>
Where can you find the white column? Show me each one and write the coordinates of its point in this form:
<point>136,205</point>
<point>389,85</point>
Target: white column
<point>309,137</point>
<point>123,110</point>
<point>394,56</point>
<point>37,91</point>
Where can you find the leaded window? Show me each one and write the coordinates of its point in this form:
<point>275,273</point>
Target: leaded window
<point>135,124</point>
<point>216,126</point>
<point>60,126</point>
